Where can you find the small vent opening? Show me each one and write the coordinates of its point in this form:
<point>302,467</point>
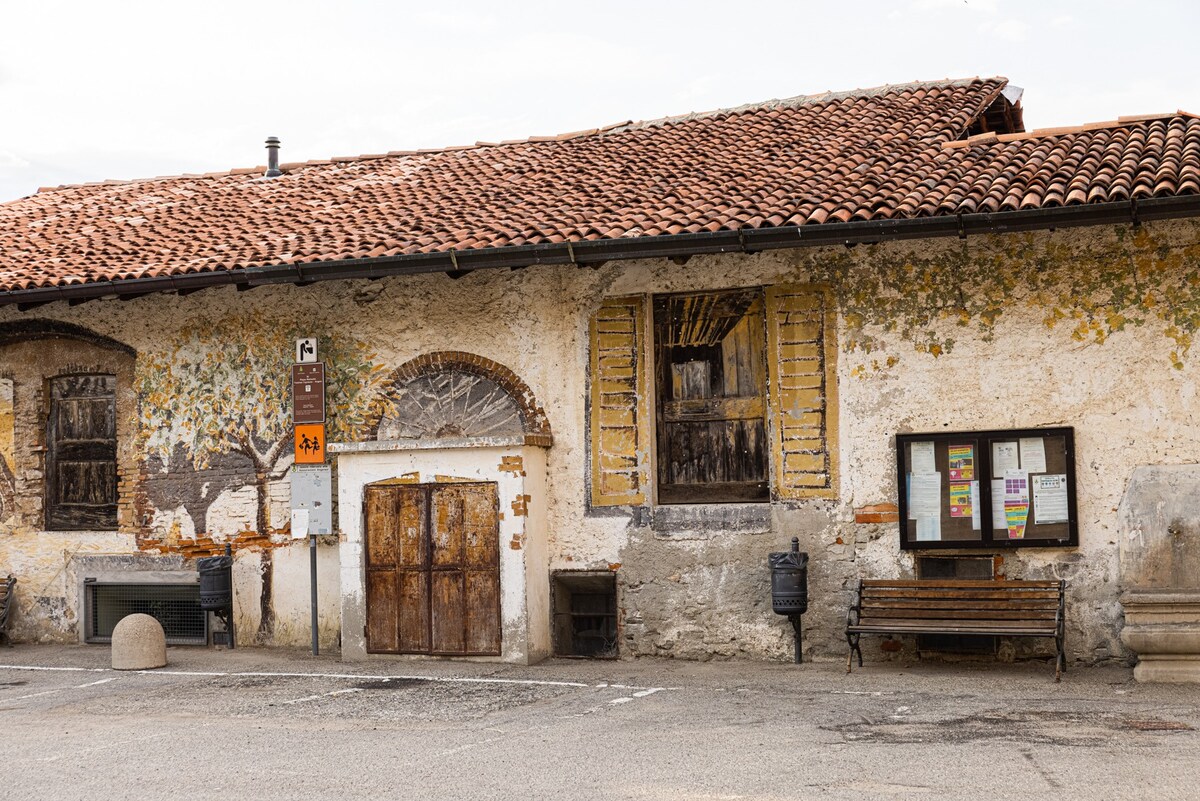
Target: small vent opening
<point>585,614</point>
<point>175,606</point>
<point>955,567</point>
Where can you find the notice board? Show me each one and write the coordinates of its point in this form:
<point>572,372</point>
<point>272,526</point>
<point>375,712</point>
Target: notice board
<point>987,489</point>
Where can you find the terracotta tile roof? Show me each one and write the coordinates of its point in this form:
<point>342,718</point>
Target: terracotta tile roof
<point>888,153</point>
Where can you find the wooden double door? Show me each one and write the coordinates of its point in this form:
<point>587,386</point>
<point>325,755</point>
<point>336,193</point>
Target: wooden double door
<point>433,569</point>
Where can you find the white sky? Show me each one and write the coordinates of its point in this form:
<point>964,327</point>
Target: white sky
<point>128,89</point>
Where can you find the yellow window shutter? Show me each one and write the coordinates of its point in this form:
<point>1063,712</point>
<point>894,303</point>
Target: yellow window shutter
<point>802,363</point>
<point>619,412</point>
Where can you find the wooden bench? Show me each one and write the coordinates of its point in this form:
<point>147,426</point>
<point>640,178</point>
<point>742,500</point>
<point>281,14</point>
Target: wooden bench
<point>6,594</point>
<point>998,608</point>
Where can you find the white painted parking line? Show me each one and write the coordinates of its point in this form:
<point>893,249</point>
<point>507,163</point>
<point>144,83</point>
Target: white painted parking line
<point>324,695</point>
<point>340,676</point>
<point>639,694</point>
<point>63,689</point>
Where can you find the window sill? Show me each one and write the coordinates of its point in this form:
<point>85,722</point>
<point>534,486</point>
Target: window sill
<point>702,521</point>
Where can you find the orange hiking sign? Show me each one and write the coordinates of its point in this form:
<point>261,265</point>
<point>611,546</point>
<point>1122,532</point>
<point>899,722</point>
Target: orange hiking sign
<point>310,444</point>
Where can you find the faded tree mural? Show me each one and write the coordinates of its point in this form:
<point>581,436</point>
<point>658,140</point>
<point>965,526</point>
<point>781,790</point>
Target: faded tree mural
<point>223,390</point>
<point>8,482</point>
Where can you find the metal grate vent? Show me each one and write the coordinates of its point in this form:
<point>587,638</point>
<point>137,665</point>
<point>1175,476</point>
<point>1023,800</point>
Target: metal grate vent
<point>585,614</point>
<point>175,606</point>
<point>955,567</point>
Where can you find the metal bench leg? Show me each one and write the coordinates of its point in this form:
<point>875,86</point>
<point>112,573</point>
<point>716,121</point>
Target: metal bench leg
<point>849,653</point>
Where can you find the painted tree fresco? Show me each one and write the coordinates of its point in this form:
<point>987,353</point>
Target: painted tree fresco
<point>8,483</point>
<point>217,392</point>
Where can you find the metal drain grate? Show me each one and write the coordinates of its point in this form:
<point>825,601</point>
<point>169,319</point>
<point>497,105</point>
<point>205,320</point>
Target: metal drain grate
<point>585,614</point>
<point>175,606</point>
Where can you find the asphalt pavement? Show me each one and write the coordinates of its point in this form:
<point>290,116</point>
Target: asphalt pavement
<point>280,724</point>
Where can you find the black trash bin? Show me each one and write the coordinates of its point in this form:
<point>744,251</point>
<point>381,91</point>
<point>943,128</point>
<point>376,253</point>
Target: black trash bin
<point>216,583</point>
<point>789,586</point>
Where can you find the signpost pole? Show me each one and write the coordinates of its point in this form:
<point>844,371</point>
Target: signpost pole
<point>312,561</point>
<point>308,431</point>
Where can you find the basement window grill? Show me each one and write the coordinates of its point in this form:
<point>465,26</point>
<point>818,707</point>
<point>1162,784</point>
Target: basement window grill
<point>955,567</point>
<point>175,606</point>
<point>585,614</point>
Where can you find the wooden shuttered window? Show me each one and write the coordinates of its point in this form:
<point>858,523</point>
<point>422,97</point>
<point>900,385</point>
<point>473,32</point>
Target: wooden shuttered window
<point>619,445</point>
<point>736,418</point>
<point>710,392</point>
<point>802,361</point>
<point>81,453</point>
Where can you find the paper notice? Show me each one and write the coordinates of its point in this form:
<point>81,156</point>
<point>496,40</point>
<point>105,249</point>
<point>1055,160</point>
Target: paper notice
<point>962,462</point>
<point>1050,499</point>
<point>929,529</point>
<point>299,523</point>
<point>925,505</point>
<point>975,505</point>
<point>1004,458</point>
<point>1016,502</point>
<point>998,523</point>
<point>961,494</point>
<point>925,495</point>
<point>1033,454</point>
<point>923,462</point>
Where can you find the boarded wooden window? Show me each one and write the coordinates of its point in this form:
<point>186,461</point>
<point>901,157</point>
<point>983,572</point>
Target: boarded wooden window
<point>81,453</point>
<point>710,395</point>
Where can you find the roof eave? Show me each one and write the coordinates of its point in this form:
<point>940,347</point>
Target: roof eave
<point>594,253</point>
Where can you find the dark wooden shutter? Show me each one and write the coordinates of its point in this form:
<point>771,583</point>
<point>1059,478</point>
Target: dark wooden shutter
<point>81,453</point>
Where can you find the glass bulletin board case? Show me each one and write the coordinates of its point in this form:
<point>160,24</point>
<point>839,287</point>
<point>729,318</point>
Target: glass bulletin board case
<point>987,489</point>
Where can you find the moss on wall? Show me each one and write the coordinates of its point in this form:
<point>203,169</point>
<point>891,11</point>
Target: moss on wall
<point>1096,281</point>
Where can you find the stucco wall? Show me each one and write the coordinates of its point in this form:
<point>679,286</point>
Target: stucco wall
<point>1087,328</point>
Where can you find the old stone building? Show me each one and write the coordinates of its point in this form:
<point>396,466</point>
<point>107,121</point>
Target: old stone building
<point>580,386</point>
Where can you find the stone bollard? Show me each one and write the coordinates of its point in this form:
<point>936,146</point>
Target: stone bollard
<point>138,643</point>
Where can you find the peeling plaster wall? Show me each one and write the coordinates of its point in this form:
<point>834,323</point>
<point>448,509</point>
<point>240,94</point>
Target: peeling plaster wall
<point>936,335</point>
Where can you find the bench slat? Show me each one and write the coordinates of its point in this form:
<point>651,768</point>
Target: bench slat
<point>934,592</point>
<point>963,603</point>
<point>917,627</point>
<point>960,614</point>
<point>959,583</point>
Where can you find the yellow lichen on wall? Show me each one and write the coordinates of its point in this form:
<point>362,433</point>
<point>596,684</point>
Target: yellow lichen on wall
<point>1096,281</point>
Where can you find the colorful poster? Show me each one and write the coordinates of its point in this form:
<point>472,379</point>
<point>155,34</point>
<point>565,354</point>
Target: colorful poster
<point>1004,458</point>
<point>923,462</point>
<point>1016,502</point>
<point>1050,499</point>
<point>962,462</point>
<point>962,494</point>
<point>1033,454</point>
<point>1016,514</point>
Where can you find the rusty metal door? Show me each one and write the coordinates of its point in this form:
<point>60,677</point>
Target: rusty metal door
<point>433,569</point>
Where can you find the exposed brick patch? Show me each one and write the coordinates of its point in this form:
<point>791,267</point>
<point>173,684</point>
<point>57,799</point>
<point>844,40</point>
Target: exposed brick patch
<point>520,505</point>
<point>877,513</point>
<point>512,464</point>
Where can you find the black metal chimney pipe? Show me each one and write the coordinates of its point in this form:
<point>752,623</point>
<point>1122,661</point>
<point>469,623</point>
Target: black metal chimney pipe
<point>273,157</point>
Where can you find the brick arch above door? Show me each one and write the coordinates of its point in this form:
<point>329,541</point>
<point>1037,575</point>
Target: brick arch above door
<point>452,394</point>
